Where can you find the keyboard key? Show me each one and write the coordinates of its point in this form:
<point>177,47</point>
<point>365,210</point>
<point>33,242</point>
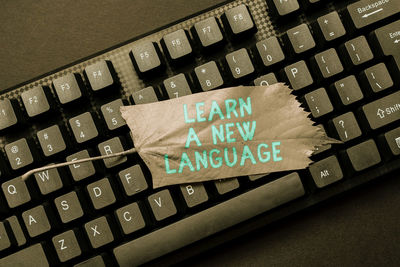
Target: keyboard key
<point>68,206</point>
<point>19,154</point>
<point>66,245</point>
<point>177,86</point>
<point>383,111</point>
<point>68,88</point>
<point>378,77</point>
<point>286,7</point>
<point>100,75</point>
<point>209,221</point>
<point>326,171</point>
<point>133,180</point>
<point>358,50</point>
<point>363,155</point>
<point>146,57</point>
<point>36,101</point>
<point>51,140</point>
<point>347,127</point>
<point>226,185</point>
<point>83,127</point>
<point>328,63</point>
<point>176,45</point>
<point>392,139</point>
<point>4,239</point>
<point>331,26</point>
<point>298,74</point>
<point>48,181</point>
<point>388,39</point>
<point>207,32</point>
<point>144,96</point>
<point>208,76</point>
<point>366,12</point>
<point>101,193</point>
<point>319,103</point>
<point>111,146</point>
<point>270,51</point>
<point>82,170</point>
<point>130,218</point>
<point>266,80</point>
<point>301,39</point>
<point>349,90</point>
<point>33,256</point>
<point>36,221</point>
<point>162,205</point>
<point>112,115</point>
<point>8,117</point>
<point>239,63</point>
<point>99,232</point>
<point>238,21</point>
<point>17,230</point>
<point>96,261</point>
<point>194,194</point>
<point>16,192</point>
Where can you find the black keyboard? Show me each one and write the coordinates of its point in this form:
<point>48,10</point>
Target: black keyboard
<point>341,58</point>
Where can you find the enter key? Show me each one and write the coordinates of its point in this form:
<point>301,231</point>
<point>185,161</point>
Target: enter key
<point>388,39</point>
<point>383,111</point>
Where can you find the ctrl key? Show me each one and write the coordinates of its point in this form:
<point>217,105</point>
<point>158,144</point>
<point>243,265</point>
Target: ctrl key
<point>326,171</point>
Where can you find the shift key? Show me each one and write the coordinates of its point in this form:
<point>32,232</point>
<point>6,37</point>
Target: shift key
<point>366,12</point>
<point>383,111</point>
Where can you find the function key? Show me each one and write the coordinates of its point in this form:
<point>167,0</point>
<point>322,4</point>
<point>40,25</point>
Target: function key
<point>51,140</point>
<point>238,22</point>
<point>285,7</point>
<point>177,86</point>
<point>348,90</point>
<point>298,74</point>
<point>239,63</point>
<point>377,78</point>
<point>270,51</point>
<point>144,96</point>
<point>208,76</point>
<point>331,26</point>
<point>36,101</point>
<point>8,115</point>
<point>326,171</point>
<point>112,115</point>
<point>357,51</point>
<point>19,154</point>
<point>83,127</point>
<point>300,38</point>
<point>146,58</point>
<point>208,33</point>
<point>68,88</point>
<point>101,75</point>
<point>177,46</point>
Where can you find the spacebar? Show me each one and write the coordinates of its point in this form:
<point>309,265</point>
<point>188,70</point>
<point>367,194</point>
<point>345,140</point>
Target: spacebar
<point>209,221</point>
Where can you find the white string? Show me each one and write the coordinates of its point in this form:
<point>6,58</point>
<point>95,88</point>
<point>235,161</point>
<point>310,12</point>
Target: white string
<point>118,154</point>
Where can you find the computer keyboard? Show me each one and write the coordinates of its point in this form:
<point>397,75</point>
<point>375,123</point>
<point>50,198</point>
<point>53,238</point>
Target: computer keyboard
<point>342,59</point>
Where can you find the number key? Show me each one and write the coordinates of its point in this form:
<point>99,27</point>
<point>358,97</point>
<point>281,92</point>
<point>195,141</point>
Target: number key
<point>51,140</point>
<point>144,96</point>
<point>112,115</point>
<point>208,76</point>
<point>19,154</point>
<point>240,63</point>
<point>284,7</point>
<point>177,86</point>
<point>270,51</point>
<point>8,117</point>
<point>83,127</point>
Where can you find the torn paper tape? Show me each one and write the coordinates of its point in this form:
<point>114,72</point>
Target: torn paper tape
<point>231,132</point>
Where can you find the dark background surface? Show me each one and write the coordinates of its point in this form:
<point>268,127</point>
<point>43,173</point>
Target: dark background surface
<point>361,228</point>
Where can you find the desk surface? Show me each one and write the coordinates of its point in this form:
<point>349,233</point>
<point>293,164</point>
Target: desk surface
<point>358,229</point>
